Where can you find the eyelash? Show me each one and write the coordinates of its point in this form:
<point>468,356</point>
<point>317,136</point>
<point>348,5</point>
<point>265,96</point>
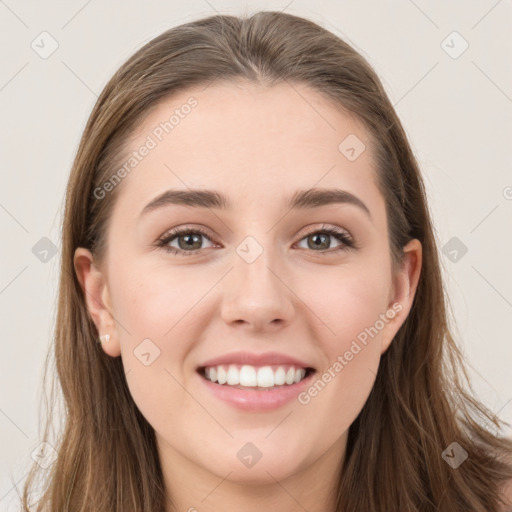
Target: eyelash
<point>346,241</point>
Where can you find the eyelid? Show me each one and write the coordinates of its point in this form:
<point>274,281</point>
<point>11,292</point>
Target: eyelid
<point>163,240</point>
<point>314,228</point>
<point>347,242</point>
<point>343,236</point>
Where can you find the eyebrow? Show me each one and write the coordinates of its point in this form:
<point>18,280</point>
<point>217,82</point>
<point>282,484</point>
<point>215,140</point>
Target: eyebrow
<point>302,199</point>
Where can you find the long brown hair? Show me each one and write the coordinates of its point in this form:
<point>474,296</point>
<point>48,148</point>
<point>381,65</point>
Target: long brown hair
<point>106,453</point>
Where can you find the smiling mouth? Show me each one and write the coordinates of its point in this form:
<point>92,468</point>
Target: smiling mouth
<point>248,377</point>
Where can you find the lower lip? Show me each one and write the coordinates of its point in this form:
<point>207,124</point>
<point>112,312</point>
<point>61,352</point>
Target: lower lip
<point>257,400</point>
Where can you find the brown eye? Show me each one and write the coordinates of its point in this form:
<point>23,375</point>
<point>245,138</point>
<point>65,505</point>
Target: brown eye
<point>189,241</point>
<point>320,240</point>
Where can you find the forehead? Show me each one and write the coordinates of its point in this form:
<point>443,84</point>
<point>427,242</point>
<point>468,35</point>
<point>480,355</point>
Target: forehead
<point>256,143</point>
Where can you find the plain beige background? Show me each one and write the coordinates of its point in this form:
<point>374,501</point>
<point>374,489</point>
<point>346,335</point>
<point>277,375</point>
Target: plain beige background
<point>445,66</point>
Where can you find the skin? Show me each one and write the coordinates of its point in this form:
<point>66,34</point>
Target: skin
<point>257,145</point>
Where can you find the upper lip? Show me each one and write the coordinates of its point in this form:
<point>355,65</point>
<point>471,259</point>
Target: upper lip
<point>266,358</point>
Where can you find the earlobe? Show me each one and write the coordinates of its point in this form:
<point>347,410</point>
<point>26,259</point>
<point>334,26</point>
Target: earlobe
<point>97,300</point>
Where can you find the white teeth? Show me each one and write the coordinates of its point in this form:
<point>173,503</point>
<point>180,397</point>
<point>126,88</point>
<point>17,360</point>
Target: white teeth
<point>265,377</point>
<point>233,375</point>
<point>279,376</point>
<point>222,376</point>
<point>290,376</point>
<point>251,376</point>
<point>247,376</point>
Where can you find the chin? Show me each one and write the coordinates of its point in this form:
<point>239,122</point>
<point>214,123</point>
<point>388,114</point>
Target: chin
<point>261,473</point>
<point>250,465</point>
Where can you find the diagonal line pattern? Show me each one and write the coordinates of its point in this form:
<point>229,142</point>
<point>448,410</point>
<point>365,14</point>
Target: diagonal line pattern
<point>287,5</point>
<point>416,84</point>
<point>76,14</point>
<point>14,76</point>
<point>492,211</point>
<point>492,81</point>
<point>280,423</point>
<point>13,487</point>
<point>13,279</point>
<point>13,423</point>
<point>332,167</point>
<point>491,285</point>
<point>217,486</point>
<point>424,14</point>
<point>79,78</point>
<point>287,492</point>
<point>211,6</point>
<point>7,7</point>
<point>487,423</point>
<point>485,15</point>
<point>13,217</point>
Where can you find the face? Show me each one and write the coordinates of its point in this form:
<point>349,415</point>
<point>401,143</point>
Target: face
<point>257,283</point>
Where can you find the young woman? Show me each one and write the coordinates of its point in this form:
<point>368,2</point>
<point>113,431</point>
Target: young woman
<point>251,311</point>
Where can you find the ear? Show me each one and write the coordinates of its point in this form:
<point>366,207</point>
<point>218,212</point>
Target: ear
<point>405,282</point>
<point>97,299</point>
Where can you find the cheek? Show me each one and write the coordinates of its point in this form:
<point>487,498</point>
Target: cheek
<point>352,305</point>
<point>162,312</point>
<point>152,301</point>
<point>157,312</point>
<point>347,301</point>
<point>336,305</point>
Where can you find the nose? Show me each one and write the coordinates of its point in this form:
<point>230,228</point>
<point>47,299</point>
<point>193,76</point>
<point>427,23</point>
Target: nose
<point>256,294</point>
